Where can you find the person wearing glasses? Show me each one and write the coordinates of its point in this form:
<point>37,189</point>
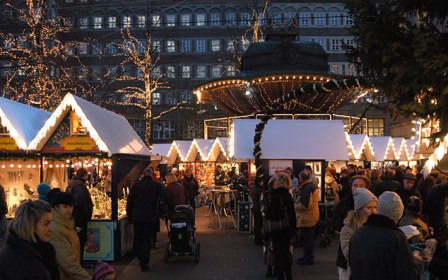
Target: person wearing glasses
<point>28,253</point>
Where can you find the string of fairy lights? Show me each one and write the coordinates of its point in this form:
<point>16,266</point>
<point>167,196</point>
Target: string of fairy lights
<point>309,88</point>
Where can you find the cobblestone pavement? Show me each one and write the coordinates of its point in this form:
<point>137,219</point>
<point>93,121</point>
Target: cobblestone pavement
<point>225,254</point>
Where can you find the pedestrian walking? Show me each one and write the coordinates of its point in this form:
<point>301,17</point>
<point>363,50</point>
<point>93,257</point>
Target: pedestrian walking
<point>65,239</point>
<point>83,205</point>
<point>307,214</point>
<point>191,185</point>
<point>42,190</point>
<point>28,253</point>
<point>177,191</point>
<point>141,209</point>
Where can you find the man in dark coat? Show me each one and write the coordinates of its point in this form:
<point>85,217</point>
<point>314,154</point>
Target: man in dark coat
<point>82,210</point>
<point>387,184</point>
<point>379,250</point>
<point>436,206</point>
<point>3,212</point>
<point>408,188</point>
<point>191,185</point>
<point>141,209</point>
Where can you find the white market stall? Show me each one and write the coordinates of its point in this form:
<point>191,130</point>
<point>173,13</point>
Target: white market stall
<point>81,134</point>
<point>19,166</point>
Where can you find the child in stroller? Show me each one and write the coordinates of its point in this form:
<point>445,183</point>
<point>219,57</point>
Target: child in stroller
<point>181,229</point>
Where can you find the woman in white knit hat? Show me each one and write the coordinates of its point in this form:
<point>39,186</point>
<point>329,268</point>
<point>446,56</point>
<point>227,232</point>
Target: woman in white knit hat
<point>366,204</point>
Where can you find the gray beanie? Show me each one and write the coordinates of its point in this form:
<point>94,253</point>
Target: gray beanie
<point>390,205</point>
<point>362,196</point>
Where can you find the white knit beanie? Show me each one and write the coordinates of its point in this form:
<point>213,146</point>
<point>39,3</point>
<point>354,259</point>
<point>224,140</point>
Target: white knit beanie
<point>362,196</point>
<point>390,205</point>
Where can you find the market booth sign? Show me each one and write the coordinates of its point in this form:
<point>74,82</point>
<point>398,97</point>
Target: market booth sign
<point>8,144</point>
<point>73,143</point>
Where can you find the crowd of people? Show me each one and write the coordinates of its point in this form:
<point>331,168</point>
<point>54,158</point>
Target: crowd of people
<point>384,219</point>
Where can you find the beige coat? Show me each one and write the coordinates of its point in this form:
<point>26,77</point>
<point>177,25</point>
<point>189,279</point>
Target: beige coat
<point>66,243</point>
<point>308,217</point>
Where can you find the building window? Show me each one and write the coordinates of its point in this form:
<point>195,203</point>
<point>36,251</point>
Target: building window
<point>334,20</point>
<point>156,45</point>
<point>163,130</point>
<point>97,73</point>
<point>156,72</point>
<point>375,127</point>
<point>230,70</point>
<point>97,22</point>
<point>305,19</point>
<point>200,20</point>
<point>126,22</point>
<point>170,98</point>
<point>200,46</point>
<point>290,17</point>
<point>350,42</point>
<point>112,21</point>
<point>98,48</point>
<point>171,72</point>
<point>276,19</point>
<point>76,127</point>
<point>83,49</point>
<point>171,46</point>
<point>230,46</point>
<point>171,20</point>
<point>215,19</point>
<point>155,98</point>
<point>139,127</point>
<point>216,71</point>
<point>186,72</point>
<point>186,97</point>
<point>319,19</point>
<point>84,23</point>
<point>321,41</point>
<point>141,21</point>
<point>348,19</point>
<point>201,72</point>
<point>141,46</point>
<point>185,20</point>
<point>336,68</point>
<point>186,45</point>
<point>216,45</point>
<point>245,19</point>
<point>139,73</point>
<point>112,48</point>
<point>156,20</point>
<point>335,45</point>
<point>230,19</point>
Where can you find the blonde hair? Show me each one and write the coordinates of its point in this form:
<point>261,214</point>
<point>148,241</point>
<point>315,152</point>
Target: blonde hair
<point>284,180</point>
<point>354,219</point>
<point>27,215</point>
<point>170,178</point>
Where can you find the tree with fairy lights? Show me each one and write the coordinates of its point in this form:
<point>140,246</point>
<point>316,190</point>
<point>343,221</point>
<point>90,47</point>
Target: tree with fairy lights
<point>141,87</point>
<point>402,47</point>
<point>37,64</point>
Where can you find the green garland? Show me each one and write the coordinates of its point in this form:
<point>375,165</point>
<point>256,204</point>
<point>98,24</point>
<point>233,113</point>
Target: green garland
<point>317,88</point>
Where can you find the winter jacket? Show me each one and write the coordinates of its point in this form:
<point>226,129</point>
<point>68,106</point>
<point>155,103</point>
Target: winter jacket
<point>345,236</point>
<point>405,195</point>
<point>66,242</point>
<point>386,185</point>
<point>82,211</point>
<point>435,205</point>
<point>178,193</point>
<point>191,185</point>
<point>341,210</point>
<point>379,250</point>
<point>3,204</point>
<point>330,182</point>
<point>307,206</point>
<point>143,198</point>
<point>413,219</point>
<point>273,203</point>
<point>22,260</point>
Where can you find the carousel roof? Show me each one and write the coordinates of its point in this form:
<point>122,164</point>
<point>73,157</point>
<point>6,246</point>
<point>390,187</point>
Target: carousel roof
<point>111,132</point>
<point>270,69</point>
<point>22,121</point>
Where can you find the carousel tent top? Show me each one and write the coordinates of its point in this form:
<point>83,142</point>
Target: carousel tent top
<point>383,148</point>
<point>22,121</point>
<point>111,132</point>
<point>292,139</point>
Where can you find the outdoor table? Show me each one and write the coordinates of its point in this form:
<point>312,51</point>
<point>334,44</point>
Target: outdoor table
<point>221,198</point>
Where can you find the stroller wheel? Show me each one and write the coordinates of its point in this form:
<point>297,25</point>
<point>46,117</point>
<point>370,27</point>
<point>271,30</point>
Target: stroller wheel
<point>167,255</point>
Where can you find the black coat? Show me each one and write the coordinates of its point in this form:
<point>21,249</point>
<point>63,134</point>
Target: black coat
<point>341,210</point>
<point>3,205</point>
<point>82,210</point>
<point>191,185</point>
<point>435,207</point>
<point>142,205</point>
<point>386,185</point>
<point>379,250</point>
<point>22,260</point>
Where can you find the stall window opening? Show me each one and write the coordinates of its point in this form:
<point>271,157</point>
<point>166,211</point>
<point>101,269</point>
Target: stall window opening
<point>76,127</point>
<point>3,130</point>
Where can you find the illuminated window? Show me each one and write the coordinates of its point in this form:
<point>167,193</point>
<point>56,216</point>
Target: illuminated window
<point>171,20</point>
<point>201,72</point>
<point>156,20</point>
<point>97,22</point>
<point>230,19</point>
<point>200,20</point>
<point>126,21</point>
<point>215,19</point>
<point>163,130</point>
<point>171,72</point>
<point>83,23</point>
<point>171,46</point>
<point>186,72</point>
<point>76,127</point>
<point>112,22</point>
<point>185,20</point>
<point>375,127</point>
<point>245,19</point>
<point>216,45</point>
<point>141,21</point>
<point>216,71</point>
<point>156,98</point>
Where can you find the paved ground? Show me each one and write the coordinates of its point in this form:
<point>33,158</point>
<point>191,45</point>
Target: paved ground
<point>225,254</point>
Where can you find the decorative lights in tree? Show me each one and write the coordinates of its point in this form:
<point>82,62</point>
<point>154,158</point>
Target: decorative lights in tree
<point>37,70</point>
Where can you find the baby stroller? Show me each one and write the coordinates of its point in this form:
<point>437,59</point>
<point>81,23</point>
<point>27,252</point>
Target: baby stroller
<point>180,226</point>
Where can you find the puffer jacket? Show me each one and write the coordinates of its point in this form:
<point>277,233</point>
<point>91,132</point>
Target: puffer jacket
<point>66,242</point>
<point>307,206</point>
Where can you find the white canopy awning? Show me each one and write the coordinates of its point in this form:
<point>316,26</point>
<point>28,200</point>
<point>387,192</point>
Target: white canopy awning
<point>292,139</point>
<point>383,148</point>
<point>221,146</point>
<point>359,147</point>
<point>400,148</point>
<point>111,132</point>
<point>161,150</point>
<point>23,122</point>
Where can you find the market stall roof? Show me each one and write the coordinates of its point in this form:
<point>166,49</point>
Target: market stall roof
<point>383,148</point>
<point>436,156</point>
<point>400,148</point>
<point>22,121</point>
<point>292,139</point>
<point>221,145</point>
<point>204,147</point>
<point>179,148</point>
<point>360,147</point>
<point>410,149</point>
<point>111,132</point>
<point>160,150</point>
